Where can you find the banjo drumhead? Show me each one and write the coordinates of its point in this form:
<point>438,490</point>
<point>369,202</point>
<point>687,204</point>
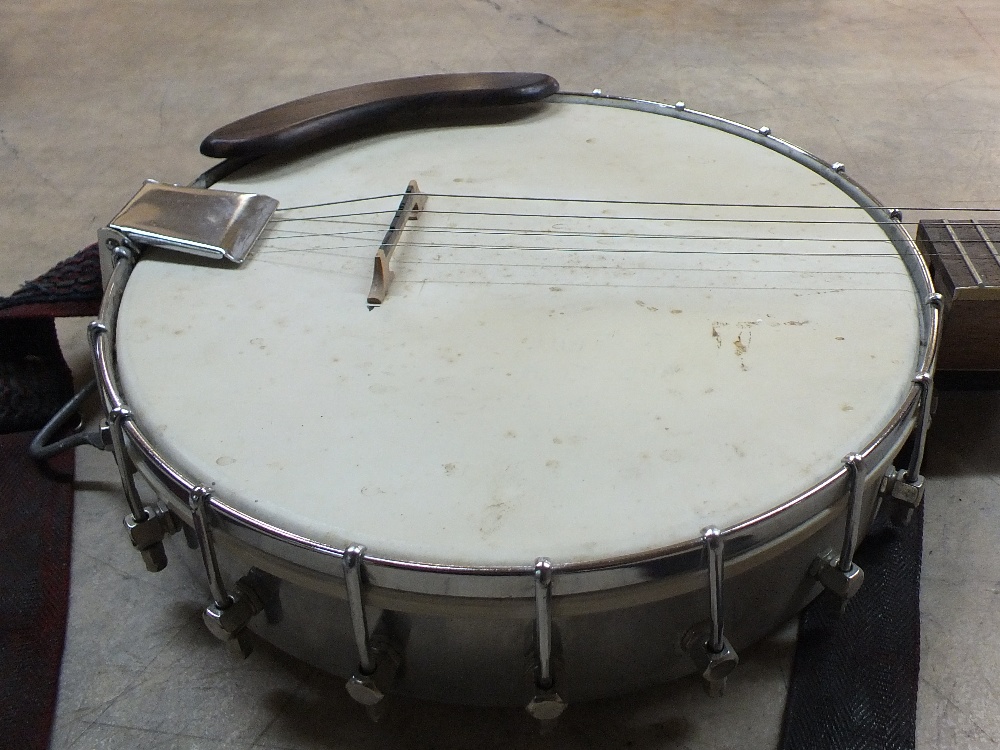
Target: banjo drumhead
<point>608,329</point>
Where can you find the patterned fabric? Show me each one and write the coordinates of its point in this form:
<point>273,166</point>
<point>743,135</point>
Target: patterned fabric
<point>854,681</point>
<point>36,502</point>
<point>34,379</point>
<point>71,288</point>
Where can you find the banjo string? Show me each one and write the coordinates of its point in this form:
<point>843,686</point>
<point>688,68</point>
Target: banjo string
<point>368,226</point>
<point>544,199</point>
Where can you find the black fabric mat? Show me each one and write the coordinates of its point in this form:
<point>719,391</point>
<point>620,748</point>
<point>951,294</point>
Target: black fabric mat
<point>36,512</point>
<point>854,679</point>
<point>36,502</point>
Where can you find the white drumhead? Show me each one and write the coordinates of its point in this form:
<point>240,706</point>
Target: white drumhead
<point>578,380</point>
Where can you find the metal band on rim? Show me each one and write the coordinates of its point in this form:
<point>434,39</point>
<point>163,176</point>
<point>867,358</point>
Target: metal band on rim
<point>579,577</point>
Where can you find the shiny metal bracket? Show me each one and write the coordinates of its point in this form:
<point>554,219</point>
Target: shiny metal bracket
<point>707,643</point>
<point>147,525</point>
<point>905,487</point>
<point>227,615</point>
<point>215,224</point>
<point>546,704</point>
<point>841,575</point>
<point>378,664</point>
<point>409,207</point>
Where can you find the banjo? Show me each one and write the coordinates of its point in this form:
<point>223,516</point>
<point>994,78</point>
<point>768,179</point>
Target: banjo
<point>472,390</point>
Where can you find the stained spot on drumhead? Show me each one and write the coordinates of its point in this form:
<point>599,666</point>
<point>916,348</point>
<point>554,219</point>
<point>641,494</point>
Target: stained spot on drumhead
<point>449,469</point>
<point>225,460</point>
<point>676,312</point>
<point>846,407</point>
<point>741,348</point>
<point>552,463</point>
<point>557,441</point>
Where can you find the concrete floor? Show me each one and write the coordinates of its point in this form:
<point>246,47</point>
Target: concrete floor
<point>97,97</point>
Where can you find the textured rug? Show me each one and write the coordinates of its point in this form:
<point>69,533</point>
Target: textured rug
<point>36,501</point>
<point>854,679</point>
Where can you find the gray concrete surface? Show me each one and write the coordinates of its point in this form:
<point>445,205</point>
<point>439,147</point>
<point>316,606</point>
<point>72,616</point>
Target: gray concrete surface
<point>97,96</point>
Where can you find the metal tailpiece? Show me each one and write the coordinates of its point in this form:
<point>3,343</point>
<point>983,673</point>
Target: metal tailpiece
<point>214,224</point>
<point>707,643</point>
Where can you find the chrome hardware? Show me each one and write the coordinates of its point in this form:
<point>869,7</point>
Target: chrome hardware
<point>905,496</point>
<point>146,525</point>
<point>906,486</point>
<point>117,416</point>
<point>895,214</point>
<point>838,167</point>
<point>370,689</point>
<point>714,546</point>
<point>116,246</point>
<point>706,643</point>
<point>113,247</point>
<point>841,575</point>
<point>378,661</point>
<point>411,204</point>
<point>228,624</point>
<point>199,500</point>
<point>213,224</point>
<point>227,615</point>
<point>855,464</point>
<point>679,106</point>
<point>545,705</point>
<point>147,534</point>
<point>926,382</point>
<point>353,557</point>
<point>764,130</point>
